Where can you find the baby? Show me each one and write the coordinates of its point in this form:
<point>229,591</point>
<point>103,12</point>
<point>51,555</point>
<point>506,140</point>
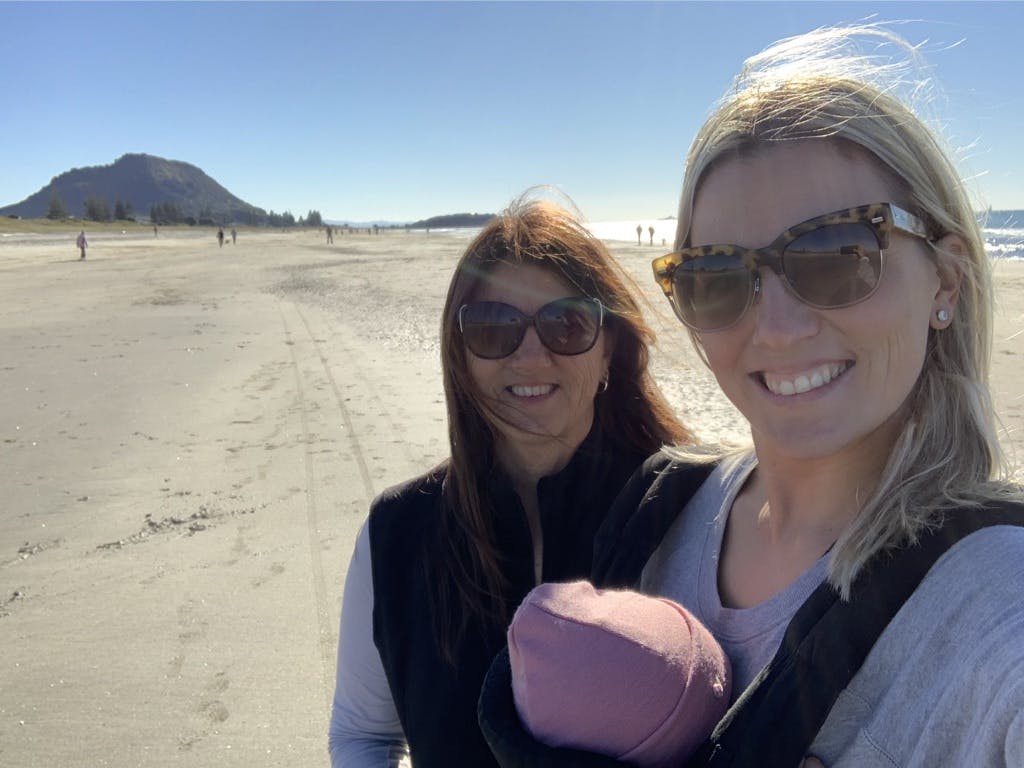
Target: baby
<point>615,672</point>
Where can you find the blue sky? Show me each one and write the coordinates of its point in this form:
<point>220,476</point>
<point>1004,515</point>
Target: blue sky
<point>399,111</point>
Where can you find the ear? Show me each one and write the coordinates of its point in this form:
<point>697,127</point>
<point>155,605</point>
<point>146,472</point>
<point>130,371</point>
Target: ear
<point>949,251</point>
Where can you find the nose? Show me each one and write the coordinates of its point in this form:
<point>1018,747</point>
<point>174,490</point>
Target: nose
<point>531,351</point>
<point>780,318</point>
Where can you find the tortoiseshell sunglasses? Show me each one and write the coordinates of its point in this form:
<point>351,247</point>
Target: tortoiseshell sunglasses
<point>828,262</point>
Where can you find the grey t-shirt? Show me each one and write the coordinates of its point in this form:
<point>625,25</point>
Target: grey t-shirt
<point>684,568</point>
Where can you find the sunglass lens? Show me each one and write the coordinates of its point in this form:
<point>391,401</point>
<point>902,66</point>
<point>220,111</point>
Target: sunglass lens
<point>834,266</point>
<point>491,329</point>
<point>569,326</point>
<point>711,291</point>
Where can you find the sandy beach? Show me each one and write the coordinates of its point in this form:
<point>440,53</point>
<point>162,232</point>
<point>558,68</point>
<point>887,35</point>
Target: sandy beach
<point>190,437</point>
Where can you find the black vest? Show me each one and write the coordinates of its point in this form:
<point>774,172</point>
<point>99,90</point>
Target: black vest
<point>436,703</point>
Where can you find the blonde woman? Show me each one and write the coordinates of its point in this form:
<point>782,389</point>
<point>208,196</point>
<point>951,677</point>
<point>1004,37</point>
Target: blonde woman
<point>862,562</point>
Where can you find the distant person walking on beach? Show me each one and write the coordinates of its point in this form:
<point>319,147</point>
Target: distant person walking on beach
<point>639,230</point>
<point>544,360</point>
<point>651,230</point>
<point>234,235</point>
<point>220,236</point>
<point>330,235</point>
<point>154,231</point>
<point>82,243</point>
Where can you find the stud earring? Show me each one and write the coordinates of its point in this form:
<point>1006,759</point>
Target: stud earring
<point>942,316</point>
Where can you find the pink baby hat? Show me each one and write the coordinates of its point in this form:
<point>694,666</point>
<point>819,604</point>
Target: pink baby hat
<point>619,673</point>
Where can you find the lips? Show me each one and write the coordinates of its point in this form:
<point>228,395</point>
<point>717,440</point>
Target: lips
<point>533,390</point>
<point>798,383</point>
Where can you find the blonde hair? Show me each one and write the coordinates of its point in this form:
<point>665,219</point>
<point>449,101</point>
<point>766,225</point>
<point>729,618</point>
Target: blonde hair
<point>822,86</point>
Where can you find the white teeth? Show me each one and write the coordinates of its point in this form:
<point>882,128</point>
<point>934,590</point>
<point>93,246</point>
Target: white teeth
<point>536,391</point>
<point>804,382</point>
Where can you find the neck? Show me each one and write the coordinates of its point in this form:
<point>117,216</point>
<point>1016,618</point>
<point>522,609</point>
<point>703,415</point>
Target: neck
<point>526,457</point>
<point>526,464</point>
<point>813,499</point>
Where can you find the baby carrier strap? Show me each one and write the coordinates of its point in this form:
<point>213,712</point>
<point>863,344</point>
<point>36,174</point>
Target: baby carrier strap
<point>643,511</point>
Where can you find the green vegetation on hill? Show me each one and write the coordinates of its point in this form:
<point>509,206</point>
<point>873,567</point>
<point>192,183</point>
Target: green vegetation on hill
<point>167,191</point>
<point>453,220</point>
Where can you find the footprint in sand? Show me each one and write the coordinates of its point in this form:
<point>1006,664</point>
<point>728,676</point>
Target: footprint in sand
<point>275,570</point>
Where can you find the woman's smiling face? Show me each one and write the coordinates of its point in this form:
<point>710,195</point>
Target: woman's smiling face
<point>534,393</point>
<point>815,382</point>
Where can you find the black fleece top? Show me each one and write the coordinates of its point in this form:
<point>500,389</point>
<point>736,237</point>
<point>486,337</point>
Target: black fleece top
<point>436,703</point>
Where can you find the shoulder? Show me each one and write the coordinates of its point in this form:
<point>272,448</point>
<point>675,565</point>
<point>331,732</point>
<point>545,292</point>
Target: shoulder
<point>419,491</point>
<point>971,569</point>
<point>987,562</point>
<point>404,510</point>
<point>945,680</point>
<point>644,510</point>
<point>973,592</point>
<point>663,477</point>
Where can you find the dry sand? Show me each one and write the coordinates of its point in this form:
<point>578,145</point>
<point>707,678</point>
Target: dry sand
<point>189,440</point>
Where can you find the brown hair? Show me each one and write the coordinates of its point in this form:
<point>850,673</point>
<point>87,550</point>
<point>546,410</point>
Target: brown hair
<point>467,581</point>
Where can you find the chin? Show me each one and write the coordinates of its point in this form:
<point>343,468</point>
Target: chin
<point>809,442</point>
<point>522,430</point>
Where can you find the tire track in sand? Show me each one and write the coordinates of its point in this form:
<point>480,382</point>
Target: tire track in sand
<point>383,413</point>
<point>327,645</point>
<point>326,642</point>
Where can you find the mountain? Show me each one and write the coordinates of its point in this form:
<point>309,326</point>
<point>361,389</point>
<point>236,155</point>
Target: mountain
<point>143,181</point>
<point>453,220</point>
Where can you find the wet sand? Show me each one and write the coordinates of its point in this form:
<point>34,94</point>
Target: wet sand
<point>190,437</point>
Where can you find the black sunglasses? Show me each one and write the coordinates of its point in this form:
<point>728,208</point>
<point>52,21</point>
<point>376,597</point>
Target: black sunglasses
<point>828,262</point>
<point>568,326</point>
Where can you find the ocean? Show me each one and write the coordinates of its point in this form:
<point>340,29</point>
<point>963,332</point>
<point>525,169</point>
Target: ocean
<point>1003,242</point>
